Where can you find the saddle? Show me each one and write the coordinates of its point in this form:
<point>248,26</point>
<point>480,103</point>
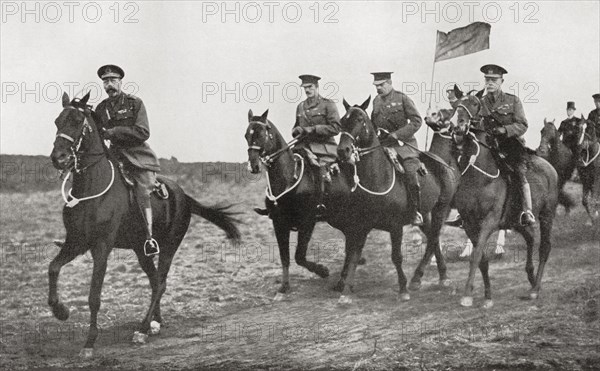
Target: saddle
<point>160,190</point>
<point>326,162</point>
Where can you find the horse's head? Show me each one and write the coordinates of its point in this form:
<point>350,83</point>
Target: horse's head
<point>466,115</point>
<point>357,130</point>
<point>439,119</point>
<point>72,124</point>
<point>260,139</point>
<point>548,137</point>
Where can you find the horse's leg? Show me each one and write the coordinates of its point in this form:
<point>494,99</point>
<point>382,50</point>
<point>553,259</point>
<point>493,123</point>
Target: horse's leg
<point>100,254</point>
<point>282,234</point>
<point>304,234</point>
<point>479,237</point>
<point>432,228</point>
<point>65,255</point>
<point>164,265</point>
<point>396,236</point>
<point>147,264</point>
<point>544,251</point>
<point>484,269</point>
<point>339,287</point>
<point>354,245</point>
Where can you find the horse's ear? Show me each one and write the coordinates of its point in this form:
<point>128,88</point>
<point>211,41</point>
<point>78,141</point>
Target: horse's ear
<point>457,92</point>
<point>264,115</point>
<point>65,99</point>
<point>365,104</point>
<point>250,115</point>
<point>85,98</point>
<point>545,121</point>
<point>554,119</point>
<point>346,105</point>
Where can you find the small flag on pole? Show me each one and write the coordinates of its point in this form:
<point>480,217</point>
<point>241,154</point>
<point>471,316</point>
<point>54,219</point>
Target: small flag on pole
<point>462,41</point>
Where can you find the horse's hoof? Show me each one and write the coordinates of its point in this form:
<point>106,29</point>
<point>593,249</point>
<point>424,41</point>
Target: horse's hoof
<point>344,300</point>
<point>279,297</point>
<point>533,295</point>
<point>154,328</point>
<point>466,301</point>
<point>322,271</point>
<point>339,287</point>
<point>414,285</point>
<point>446,282</point>
<point>284,289</point>
<point>61,312</point>
<point>86,353</point>
<point>487,304</point>
<point>405,296</point>
<point>139,338</point>
<point>589,223</point>
<point>362,261</point>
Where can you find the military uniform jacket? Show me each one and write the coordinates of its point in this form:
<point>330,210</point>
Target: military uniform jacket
<point>127,115</point>
<point>323,115</point>
<point>594,117</point>
<point>396,113</point>
<point>566,123</point>
<point>507,111</point>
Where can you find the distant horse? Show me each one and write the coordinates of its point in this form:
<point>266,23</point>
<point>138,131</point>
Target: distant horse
<point>380,201</point>
<point>99,216</point>
<point>553,150</point>
<point>291,193</point>
<point>442,145</point>
<point>487,203</point>
<point>582,139</point>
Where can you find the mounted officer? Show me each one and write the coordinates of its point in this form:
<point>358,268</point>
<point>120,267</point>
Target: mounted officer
<point>571,120</point>
<point>397,120</point>
<point>317,122</point>
<point>594,116</point>
<point>505,117</point>
<point>124,122</point>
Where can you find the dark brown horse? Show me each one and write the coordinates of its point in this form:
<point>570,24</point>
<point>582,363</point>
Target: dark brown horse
<point>487,203</point>
<point>291,193</point>
<point>380,201</point>
<point>582,139</point>
<point>99,217</point>
<point>553,150</point>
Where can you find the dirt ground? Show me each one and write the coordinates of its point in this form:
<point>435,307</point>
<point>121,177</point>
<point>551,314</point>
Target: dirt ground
<point>220,314</point>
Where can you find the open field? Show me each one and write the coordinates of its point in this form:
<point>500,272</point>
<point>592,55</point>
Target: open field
<point>219,311</point>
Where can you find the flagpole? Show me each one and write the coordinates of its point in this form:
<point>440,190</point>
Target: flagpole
<point>430,95</point>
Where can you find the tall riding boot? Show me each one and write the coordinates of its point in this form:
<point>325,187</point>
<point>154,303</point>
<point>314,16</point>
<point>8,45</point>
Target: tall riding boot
<point>321,209</point>
<point>415,197</point>
<point>151,245</point>
<point>526,217</point>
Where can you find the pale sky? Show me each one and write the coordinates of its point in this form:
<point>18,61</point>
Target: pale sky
<point>199,74</point>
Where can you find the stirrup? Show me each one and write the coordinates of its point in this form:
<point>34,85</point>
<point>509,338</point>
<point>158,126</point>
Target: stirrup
<point>151,247</point>
<point>523,218</point>
<point>418,220</point>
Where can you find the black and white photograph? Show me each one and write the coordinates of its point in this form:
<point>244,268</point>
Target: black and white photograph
<point>300,185</point>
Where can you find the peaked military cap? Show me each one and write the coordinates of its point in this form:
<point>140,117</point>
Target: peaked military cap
<point>571,105</point>
<point>109,71</point>
<point>381,77</point>
<point>492,70</point>
<point>596,96</point>
<point>309,80</point>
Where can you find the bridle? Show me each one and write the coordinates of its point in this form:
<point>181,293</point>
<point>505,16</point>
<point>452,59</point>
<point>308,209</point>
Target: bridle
<point>76,145</point>
<point>358,152</point>
<point>68,197</point>
<point>267,160</point>
<point>478,144</point>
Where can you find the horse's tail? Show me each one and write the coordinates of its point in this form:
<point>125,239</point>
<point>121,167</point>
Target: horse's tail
<point>221,216</point>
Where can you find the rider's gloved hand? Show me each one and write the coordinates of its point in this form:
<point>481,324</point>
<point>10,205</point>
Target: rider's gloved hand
<point>499,131</point>
<point>389,140</point>
<point>107,133</point>
<point>300,131</point>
